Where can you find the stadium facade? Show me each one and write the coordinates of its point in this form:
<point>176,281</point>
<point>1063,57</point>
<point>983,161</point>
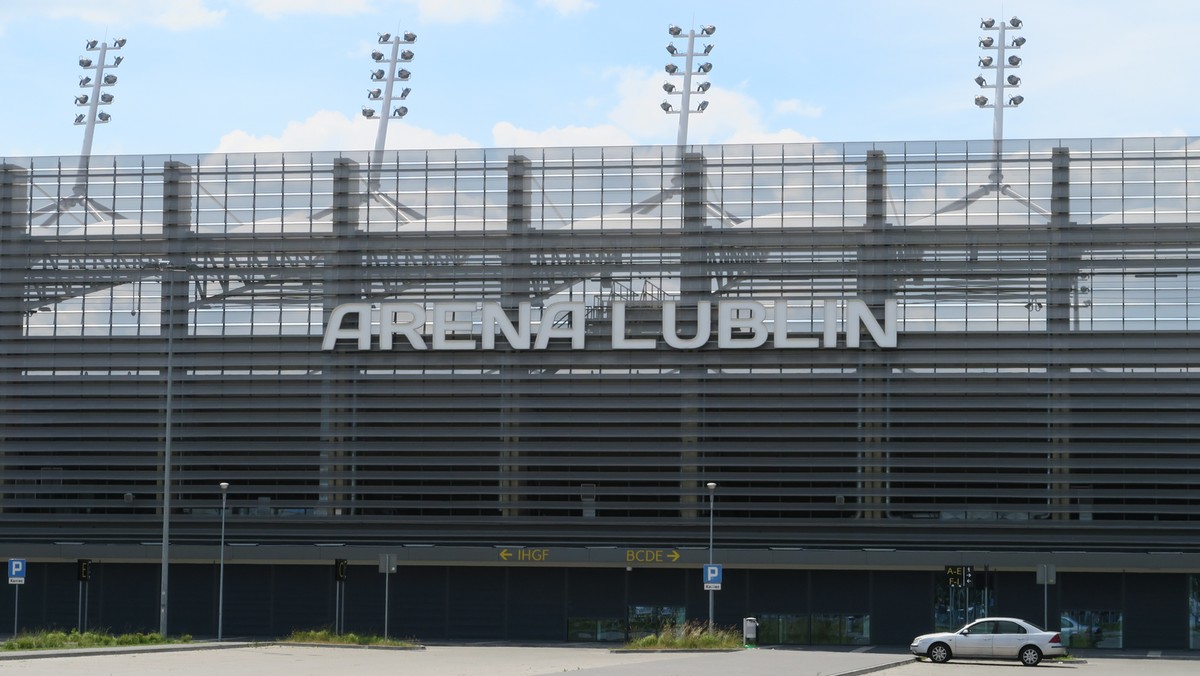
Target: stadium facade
<point>514,373</point>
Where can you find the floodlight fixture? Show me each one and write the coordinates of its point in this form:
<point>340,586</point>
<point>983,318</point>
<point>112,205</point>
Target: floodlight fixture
<point>671,49</point>
<point>106,98</point>
<point>980,81</point>
<point>403,74</point>
<point>406,55</point>
<point>981,100</point>
<point>85,62</point>
<point>672,68</point>
<point>707,49</point>
<point>708,30</point>
<point>400,112</point>
<point>409,37</point>
<point>117,61</point>
<point>703,105</point>
<point>81,100</point>
<point>1014,60</point>
<point>385,38</point>
<point>376,56</point>
<point>91,44</point>
<point>368,112</point>
<point>377,74</point>
<point>1016,100</point>
<point>1015,22</point>
<point>987,23</point>
<point>703,87</point>
<point>985,62</point>
<point>104,117</point>
<point>1014,81</point>
<point>986,42</point>
<point>1018,42</point>
<point>119,43</point>
<point>704,67</point>
<point>79,118</point>
<point>110,79</point>
<point>668,88</point>
<point>666,106</point>
<point>405,92</point>
<point>374,94</point>
<point>85,81</point>
<point>674,30</point>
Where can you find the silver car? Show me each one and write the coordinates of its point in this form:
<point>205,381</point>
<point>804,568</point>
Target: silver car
<point>1000,638</point>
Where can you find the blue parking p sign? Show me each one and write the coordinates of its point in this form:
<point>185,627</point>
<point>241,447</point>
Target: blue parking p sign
<point>16,571</point>
<point>712,576</point>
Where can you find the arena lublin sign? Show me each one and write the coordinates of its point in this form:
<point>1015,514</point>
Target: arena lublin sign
<point>741,324</point>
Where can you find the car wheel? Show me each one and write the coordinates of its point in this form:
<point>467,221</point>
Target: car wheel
<point>939,652</point>
<point>1030,656</point>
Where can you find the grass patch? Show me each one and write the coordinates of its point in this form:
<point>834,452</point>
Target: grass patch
<point>58,640</point>
<point>691,636</point>
<point>327,636</point>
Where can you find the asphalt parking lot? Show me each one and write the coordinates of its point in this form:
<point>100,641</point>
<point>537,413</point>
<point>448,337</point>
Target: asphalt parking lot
<point>507,660</point>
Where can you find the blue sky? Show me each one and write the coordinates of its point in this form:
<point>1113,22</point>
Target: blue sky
<point>203,76</point>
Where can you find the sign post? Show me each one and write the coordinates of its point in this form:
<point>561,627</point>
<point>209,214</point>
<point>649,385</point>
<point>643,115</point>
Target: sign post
<point>1047,575</point>
<point>387,566</point>
<point>16,575</point>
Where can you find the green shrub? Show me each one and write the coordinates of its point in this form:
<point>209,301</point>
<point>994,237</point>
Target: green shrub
<point>691,636</point>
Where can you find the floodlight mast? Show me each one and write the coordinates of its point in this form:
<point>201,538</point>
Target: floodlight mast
<point>1002,82</point>
<point>688,71</point>
<point>95,99</point>
<point>390,75</point>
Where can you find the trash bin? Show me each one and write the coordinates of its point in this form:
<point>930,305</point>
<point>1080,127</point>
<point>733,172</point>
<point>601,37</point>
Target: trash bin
<point>750,631</point>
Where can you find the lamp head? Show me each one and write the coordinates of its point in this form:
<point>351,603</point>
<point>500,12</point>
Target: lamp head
<point>668,88</point>
<point>665,106</point>
<point>703,105</point>
<point>986,42</point>
<point>385,38</point>
<point>1018,41</point>
<point>1015,22</point>
<point>981,101</point>
<point>674,30</point>
<point>224,485</point>
<point>376,56</point>
<point>708,30</point>
<point>987,23</point>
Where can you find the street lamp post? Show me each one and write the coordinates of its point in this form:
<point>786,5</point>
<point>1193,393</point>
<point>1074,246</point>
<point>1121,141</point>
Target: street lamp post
<point>712,489</point>
<point>221,576</point>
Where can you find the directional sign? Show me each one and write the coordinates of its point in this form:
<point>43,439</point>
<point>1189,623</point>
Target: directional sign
<point>712,577</point>
<point>16,571</point>
<point>651,556</point>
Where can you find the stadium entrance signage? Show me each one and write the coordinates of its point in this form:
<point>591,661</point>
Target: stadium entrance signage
<point>740,324</point>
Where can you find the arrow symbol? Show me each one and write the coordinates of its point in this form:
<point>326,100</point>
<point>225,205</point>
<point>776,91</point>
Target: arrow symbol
<point>674,555</point>
<point>505,554</point>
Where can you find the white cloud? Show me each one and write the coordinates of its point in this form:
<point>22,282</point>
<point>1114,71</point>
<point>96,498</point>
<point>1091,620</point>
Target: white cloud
<point>331,130</point>
<point>459,11</point>
<point>567,7</point>
<point>796,107</point>
<point>278,8</point>
<point>176,15</point>
<point>507,135</point>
